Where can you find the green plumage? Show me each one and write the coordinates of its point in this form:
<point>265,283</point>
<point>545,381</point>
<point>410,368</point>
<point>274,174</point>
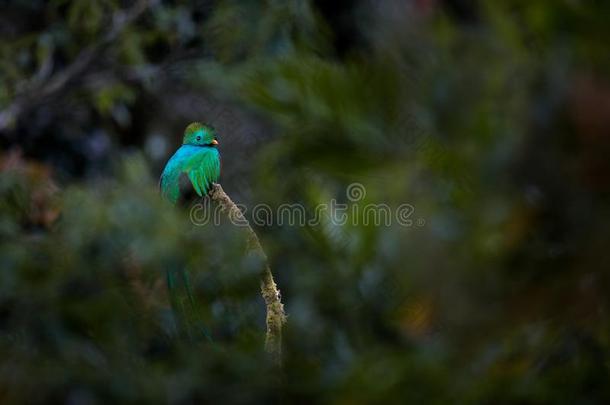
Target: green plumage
<point>187,314</point>
<point>199,159</point>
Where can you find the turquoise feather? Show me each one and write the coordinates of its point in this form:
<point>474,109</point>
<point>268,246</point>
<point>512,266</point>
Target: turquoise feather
<point>200,163</point>
<point>199,159</point>
<point>188,319</point>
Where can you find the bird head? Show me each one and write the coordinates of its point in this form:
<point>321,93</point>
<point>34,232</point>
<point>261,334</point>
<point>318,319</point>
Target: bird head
<point>198,134</point>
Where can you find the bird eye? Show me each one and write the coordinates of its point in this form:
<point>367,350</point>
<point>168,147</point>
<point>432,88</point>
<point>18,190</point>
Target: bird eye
<point>198,138</point>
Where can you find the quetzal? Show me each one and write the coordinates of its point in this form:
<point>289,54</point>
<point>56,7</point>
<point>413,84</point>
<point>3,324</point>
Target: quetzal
<point>198,160</point>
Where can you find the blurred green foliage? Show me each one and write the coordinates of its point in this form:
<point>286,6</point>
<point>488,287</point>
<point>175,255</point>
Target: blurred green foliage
<point>490,118</point>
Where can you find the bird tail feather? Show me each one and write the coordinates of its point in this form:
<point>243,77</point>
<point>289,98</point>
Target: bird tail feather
<point>187,314</point>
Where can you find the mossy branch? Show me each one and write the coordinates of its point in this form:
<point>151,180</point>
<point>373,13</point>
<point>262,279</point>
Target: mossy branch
<point>276,316</point>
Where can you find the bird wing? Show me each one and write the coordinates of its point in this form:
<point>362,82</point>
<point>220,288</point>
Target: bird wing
<point>203,169</point>
<point>200,164</point>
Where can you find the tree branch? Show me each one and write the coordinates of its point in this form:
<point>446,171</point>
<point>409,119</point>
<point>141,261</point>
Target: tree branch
<point>276,316</point>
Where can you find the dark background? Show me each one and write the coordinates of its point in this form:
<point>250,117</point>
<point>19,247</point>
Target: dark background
<point>491,119</point>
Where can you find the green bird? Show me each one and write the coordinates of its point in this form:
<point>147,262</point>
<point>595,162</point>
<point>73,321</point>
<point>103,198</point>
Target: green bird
<point>198,160</point>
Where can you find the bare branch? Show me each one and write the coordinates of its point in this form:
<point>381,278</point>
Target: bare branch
<point>276,316</point>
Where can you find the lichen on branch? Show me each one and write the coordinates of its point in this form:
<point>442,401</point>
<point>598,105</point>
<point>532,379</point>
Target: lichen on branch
<point>276,316</point>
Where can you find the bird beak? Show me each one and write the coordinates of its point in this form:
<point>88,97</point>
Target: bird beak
<point>214,142</point>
